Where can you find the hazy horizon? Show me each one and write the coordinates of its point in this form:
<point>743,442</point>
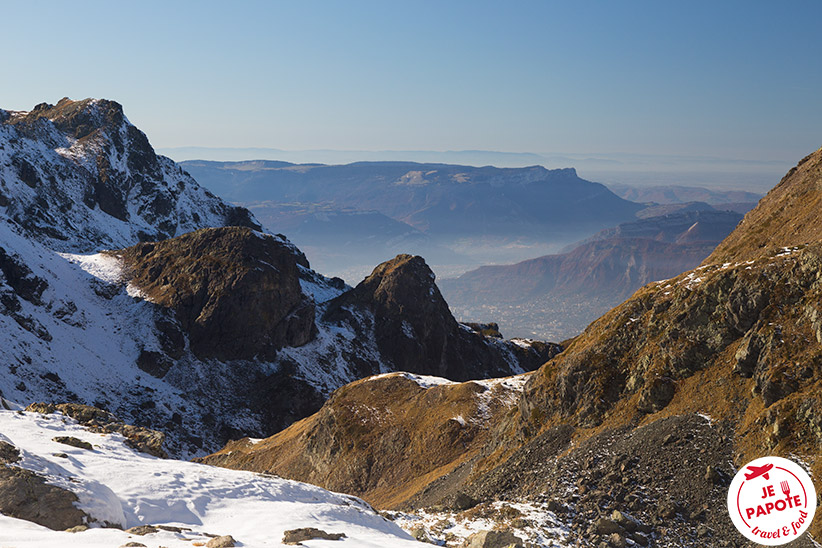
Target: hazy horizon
<point>728,80</point>
<point>640,170</point>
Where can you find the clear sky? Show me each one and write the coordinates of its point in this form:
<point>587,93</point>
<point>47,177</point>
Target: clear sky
<point>733,79</point>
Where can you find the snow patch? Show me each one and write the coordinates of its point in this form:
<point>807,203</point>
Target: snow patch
<point>117,484</point>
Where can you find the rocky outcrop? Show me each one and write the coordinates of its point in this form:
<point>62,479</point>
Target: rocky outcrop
<point>235,292</point>
<point>415,331</point>
<point>97,420</point>
<point>296,536</point>
<point>26,495</point>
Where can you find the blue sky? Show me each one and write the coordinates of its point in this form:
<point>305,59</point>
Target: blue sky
<point>705,78</point>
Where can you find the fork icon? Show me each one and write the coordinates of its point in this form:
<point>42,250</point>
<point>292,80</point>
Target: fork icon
<point>785,488</point>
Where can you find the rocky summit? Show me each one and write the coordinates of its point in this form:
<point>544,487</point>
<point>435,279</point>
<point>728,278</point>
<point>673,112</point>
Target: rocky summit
<point>630,435</point>
<point>415,331</point>
<point>78,176</point>
<point>235,292</point>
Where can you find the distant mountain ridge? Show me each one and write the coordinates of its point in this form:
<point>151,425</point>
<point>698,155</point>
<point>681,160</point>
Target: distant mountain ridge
<point>438,198</point>
<point>468,215</point>
<point>558,295</point>
<point>672,194</point>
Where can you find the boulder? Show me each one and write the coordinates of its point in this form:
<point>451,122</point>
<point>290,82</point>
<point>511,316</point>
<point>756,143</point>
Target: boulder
<point>74,442</point>
<point>9,454</point>
<point>225,541</point>
<point>296,536</point>
<point>494,539</point>
<point>26,495</point>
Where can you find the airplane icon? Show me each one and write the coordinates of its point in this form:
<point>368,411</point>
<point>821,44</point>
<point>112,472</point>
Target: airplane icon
<point>756,471</point>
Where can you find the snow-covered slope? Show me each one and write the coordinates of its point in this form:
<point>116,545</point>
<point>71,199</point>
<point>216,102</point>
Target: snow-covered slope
<point>80,177</point>
<point>198,499</point>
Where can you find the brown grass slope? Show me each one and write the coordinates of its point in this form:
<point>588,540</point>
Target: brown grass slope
<point>790,214</point>
<point>384,438</point>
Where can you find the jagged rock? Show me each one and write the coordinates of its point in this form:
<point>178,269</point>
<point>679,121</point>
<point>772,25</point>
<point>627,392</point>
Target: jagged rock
<point>225,541</point>
<point>463,502</point>
<point>77,529</point>
<point>20,277</point>
<point>625,521</point>
<point>606,526</point>
<point>108,170</point>
<point>9,454</point>
<point>26,495</point>
<point>656,396</point>
<point>235,292</point>
<point>296,536</point>
<point>154,363</point>
<point>74,442</point>
<point>133,544</point>
<point>747,355</point>
<point>416,332</point>
<point>490,329</point>
<point>421,535</point>
<point>494,539</point>
<point>617,540</point>
<point>142,530</point>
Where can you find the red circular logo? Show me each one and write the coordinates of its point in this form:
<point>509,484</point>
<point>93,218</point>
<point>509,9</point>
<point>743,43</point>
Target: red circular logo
<point>772,501</point>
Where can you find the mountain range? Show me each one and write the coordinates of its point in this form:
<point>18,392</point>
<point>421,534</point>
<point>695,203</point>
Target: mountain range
<point>629,436</point>
<point>557,296</point>
<point>118,291</point>
<point>469,215</point>
<point>141,316</point>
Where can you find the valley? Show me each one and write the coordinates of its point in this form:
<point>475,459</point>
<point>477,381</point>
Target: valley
<point>146,320</point>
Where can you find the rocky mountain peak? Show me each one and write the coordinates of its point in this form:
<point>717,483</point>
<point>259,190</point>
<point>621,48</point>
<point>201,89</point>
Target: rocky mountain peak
<point>404,283</point>
<point>236,292</point>
<point>79,176</point>
<point>79,119</point>
<point>415,330</point>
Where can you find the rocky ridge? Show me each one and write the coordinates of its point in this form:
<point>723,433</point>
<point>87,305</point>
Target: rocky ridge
<point>79,177</point>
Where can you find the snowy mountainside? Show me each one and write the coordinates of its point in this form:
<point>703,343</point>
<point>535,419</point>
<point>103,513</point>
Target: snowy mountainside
<point>190,502</point>
<point>207,334</point>
<point>78,328</point>
<point>79,177</point>
<point>79,337</point>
